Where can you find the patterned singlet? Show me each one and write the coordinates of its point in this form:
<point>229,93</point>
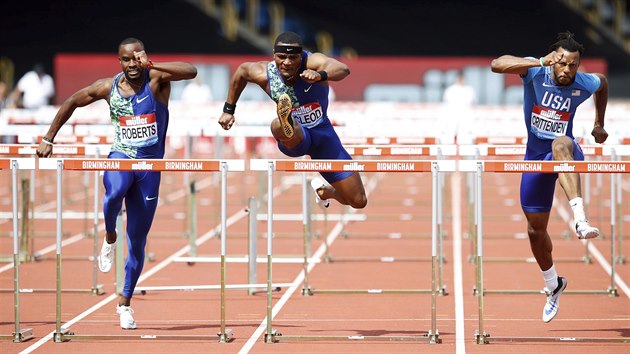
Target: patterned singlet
<point>140,121</point>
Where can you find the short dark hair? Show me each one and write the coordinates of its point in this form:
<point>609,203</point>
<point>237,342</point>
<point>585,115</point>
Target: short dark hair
<point>567,41</point>
<point>131,40</point>
<point>289,38</point>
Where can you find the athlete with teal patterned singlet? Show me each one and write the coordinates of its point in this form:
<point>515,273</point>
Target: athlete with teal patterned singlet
<point>138,100</point>
<point>553,90</point>
<point>298,81</point>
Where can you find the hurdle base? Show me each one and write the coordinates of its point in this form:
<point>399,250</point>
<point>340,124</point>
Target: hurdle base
<point>434,338</point>
<point>372,291</point>
<point>278,337</point>
<point>271,337</point>
<point>489,339</point>
<point>612,291</point>
<point>62,336</point>
<point>98,290</point>
<point>481,338</point>
<point>227,336</point>
<point>23,335</point>
<point>308,291</point>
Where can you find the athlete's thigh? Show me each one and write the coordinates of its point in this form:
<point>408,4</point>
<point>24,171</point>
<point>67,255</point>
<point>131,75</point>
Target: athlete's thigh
<point>537,192</point>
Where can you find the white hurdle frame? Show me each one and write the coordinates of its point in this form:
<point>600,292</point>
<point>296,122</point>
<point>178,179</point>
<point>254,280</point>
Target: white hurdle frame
<point>62,334</point>
<point>74,150</point>
<point>20,334</point>
<point>435,167</point>
<point>520,166</point>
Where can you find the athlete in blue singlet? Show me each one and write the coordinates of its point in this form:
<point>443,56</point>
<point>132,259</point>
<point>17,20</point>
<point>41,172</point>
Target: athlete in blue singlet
<point>298,81</point>
<point>138,101</point>
<point>553,90</point>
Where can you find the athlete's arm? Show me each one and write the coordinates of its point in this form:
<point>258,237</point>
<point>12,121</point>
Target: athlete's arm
<point>168,71</point>
<point>335,70</point>
<point>601,100</point>
<point>508,64</point>
<point>96,91</point>
<point>255,72</point>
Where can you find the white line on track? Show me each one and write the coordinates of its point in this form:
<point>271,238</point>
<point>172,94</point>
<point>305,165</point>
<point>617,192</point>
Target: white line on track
<point>458,286</point>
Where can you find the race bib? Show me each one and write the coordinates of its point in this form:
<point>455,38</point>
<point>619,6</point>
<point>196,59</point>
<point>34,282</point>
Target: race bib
<point>308,115</point>
<point>138,131</point>
<point>548,123</point>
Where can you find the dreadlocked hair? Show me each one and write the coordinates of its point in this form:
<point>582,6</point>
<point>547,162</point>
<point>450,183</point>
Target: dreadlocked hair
<point>567,41</point>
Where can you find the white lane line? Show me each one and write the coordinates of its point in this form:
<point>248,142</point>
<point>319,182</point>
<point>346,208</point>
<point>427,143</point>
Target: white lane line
<point>458,286</point>
<point>564,214</point>
<point>300,278</point>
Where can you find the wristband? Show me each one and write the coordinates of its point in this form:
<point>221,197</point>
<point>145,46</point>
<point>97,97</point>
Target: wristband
<point>323,74</point>
<point>229,108</point>
<point>542,61</point>
<point>47,141</point>
<point>149,65</point>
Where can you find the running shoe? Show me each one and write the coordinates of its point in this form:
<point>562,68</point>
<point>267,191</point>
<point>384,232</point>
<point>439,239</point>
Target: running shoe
<point>585,231</point>
<point>106,259</point>
<point>126,318</point>
<point>553,302</point>
<point>316,184</point>
<point>284,114</point>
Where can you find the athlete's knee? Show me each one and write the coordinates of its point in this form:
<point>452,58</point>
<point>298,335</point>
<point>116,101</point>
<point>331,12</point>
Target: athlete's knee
<point>358,201</point>
<point>562,149</point>
<point>536,233</point>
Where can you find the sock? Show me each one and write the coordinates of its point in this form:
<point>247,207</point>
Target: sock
<point>551,278</point>
<point>578,209</point>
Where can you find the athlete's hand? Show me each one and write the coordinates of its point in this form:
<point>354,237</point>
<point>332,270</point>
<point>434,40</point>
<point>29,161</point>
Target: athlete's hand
<point>226,120</point>
<point>44,150</point>
<point>599,134</point>
<point>142,58</point>
<point>552,58</point>
<point>310,76</point>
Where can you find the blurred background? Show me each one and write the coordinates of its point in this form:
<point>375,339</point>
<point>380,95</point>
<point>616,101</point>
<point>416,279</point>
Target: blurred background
<point>401,53</point>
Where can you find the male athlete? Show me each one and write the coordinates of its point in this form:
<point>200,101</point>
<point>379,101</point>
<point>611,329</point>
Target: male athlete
<point>298,81</point>
<point>553,90</point>
<point>138,101</point>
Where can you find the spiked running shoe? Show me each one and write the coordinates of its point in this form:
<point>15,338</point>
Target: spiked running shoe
<point>284,109</point>
<point>585,231</point>
<point>316,184</point>
<point>126,318</point>
<point>106,259</point>
<point>553,302</point>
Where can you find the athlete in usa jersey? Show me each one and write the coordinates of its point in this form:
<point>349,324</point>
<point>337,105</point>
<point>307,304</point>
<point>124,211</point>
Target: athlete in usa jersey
<point>297,81</point>
<point>138,99</point>
<point>553,90</point>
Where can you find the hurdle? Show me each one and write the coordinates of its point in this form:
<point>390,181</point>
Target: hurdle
<point>403,147</point>
<point>612,167</point>
<point>20,334</point>
<point>435,167</point>
<point>74,150</point>
<point>597,151</point>
<point>63,334</point>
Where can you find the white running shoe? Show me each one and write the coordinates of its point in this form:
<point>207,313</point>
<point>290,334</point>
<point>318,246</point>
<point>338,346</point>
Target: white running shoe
<point>585,231</point>
<point>106,259</point>
<point>316,184</point>
<point>126,318</point>
<point>553,302</point>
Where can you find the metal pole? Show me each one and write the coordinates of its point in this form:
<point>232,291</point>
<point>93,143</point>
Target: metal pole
<point>613,194</point>
<point>252,276</point>
<point>95,286</point>
<point>433,333</point>
<point>58,333</point>
<point>16,251</point>
<point>306,221</point>
<point>481,336</point>
<point>269,336</point>
<point>225,335</point>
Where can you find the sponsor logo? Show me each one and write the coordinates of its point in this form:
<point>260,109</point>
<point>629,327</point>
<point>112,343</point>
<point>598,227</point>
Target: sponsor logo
<point>353,166</point>
<point>139,100</point>
<point>308,88</point>
<point>564,167</point>
<point>142,165</point>
<point>150,198</point>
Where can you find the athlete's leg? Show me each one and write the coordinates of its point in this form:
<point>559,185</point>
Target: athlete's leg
<point>562,149</point>
<point>539,239</point>
<point>116,184</point>
<point>141,202</point>
<point>348,191</point>
<point>278,133</point>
